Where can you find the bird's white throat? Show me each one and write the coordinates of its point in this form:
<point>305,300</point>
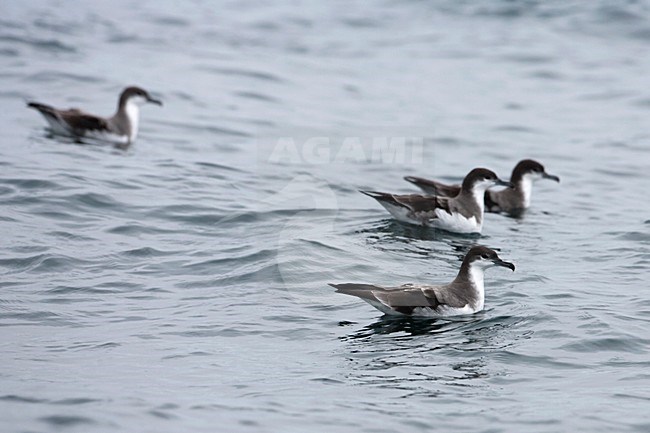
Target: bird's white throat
<point>476,279</point>
<point>526,187</point>
<point>479,194</point>
<point>132,110</point>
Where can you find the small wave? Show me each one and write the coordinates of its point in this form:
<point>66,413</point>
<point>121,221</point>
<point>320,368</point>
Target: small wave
<point>256,96</point>
<point>212,165</point>
<point>9,52</point>
<point>40,317</point>
<point>75,401</point>
<point>146,252</point>
<point>74,290</point>
<point>635,236</point>
<point>547,75</point>
<point>516,128</point>
<point>59,421</point>
<point>32,184</point>
<point>529,58</point>
<point>607,344</point>
<point>257,271</point>
<point>95,201</point>
<point>173,21</point>
<point>216,130</point>
<point>136,229</point>
<point>58,76</point>
<point>513,358</point>
<point>40,44</point>
<point>211,266</point>
<point>21,399</point>
<point>240,72</point>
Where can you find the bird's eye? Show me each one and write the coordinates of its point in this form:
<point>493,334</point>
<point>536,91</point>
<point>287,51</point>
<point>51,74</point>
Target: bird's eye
<point>485,256</point>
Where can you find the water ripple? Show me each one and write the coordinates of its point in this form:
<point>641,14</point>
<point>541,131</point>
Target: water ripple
<point>65,421</point>
<point>46,45</point>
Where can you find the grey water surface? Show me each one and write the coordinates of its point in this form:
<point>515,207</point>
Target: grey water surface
<point>180,285</point>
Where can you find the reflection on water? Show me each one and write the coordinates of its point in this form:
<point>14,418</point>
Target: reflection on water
<point>479,330</point>
<point>446,359</point>
<point>390,235</point>
<point>410,326</point>
<point>400,232</point>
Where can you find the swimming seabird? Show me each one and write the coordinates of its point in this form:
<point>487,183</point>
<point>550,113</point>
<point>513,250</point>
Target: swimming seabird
<point>508,200</point>
<point>122,127</point>
<point>462,213</point>
<point>464,295</point>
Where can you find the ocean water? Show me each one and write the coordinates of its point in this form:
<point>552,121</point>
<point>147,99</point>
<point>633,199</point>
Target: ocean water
<point>181,284</point>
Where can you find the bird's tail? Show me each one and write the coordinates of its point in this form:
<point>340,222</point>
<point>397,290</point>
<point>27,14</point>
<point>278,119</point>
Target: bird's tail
<point>363,291</point>
<point>45,109</point>
<point>377,195</point>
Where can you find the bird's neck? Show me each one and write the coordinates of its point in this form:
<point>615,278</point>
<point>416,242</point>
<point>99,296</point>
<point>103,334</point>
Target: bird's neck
<point>476,277</point>
<point>128,118</point>
<point>525,188</point>
<point>473,274</point>
<point>476,194</point>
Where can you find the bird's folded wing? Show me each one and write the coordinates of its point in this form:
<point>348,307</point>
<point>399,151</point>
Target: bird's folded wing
<point>410,297</point>
<point>420,203</point>
<point>79,120</point>
<point>444,297</point>
<point>405,296</point>
<point>351,287</point>
<point>434,187</point>
<point>363,291</point>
